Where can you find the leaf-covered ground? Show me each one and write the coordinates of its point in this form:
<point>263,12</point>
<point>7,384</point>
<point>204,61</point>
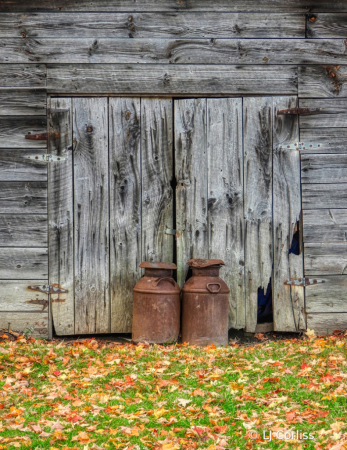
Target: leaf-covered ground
<point>92,395</point>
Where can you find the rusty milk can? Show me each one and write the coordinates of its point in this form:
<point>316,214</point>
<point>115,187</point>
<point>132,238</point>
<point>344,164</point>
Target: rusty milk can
<point>156,310</point>
<point>205,305</point>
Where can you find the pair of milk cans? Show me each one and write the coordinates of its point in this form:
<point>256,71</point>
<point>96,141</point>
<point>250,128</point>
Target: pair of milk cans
<point>205,305</point>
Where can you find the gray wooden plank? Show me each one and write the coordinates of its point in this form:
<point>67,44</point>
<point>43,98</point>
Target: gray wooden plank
<point>225,199</point>
<point>23,263</point>
<point>325,259</point>
<point>125,208</point>
<point>14,128</point>
<point>325,225</point>
<point>19,103</point>
<point>16,297</point>
<point>16,166</point>
<point>23,197</point>
<point>326,25</point>
<point>257,144</point>
<point>33,323</point>
<point>156,174</point>
<point>328,168</point>
<point>173,5</point>
<point>91,215</point>
<point>322,81</point>
<point>191,168</point>
<point>60,213</point>
<point>172,51</point>
<point>19,230</point>
<point>173,80</point>
<point>333,113</point>
<point>288,301</point>
<point>22,76</point>
<point>326,323</point>
<point>153,24</point>
<point>332,140</point>
<point>327,297</point>
<point>316,196</point>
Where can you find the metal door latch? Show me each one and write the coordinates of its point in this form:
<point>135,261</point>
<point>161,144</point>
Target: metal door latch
<point>47,158</point>
<point>48,289</point>
<point>300,146</point>
<point>303,282</point>
<point>297,111</point>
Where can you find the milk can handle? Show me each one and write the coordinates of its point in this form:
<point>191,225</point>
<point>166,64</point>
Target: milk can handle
<point>211,290</point>
<point>158,280</point>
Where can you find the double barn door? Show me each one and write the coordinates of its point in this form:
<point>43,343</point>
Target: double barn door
<point>169,180</point>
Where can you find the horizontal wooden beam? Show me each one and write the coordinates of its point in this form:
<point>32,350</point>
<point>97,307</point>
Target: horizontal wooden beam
<point>23,263</point>
<point>316,196</point>
<point>19,103</point>
<point>332,114</point>
<point>15,165</point>
<point>333,140</point>
<point>323,81</point>
<point>15,296</point>
<point>174,80</point>
<point>22,76</point>
<point>153,24</point>
<point>325,225</point>
<point>14,128</point>
<point>23,197</point>
<point>19,230</point>
<point>172,51</point>
<point>317,300</point>
<point>327,323</point>
<point>325,259</point>
<point>327,168</point>
<point>174,5</point>
<point>327,25</point>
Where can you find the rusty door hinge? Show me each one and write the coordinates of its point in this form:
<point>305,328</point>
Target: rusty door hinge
<point>44,303</point>
<point>37,137</point>
<point>303,282</point>
<point>297,111</point>
<point>48,289</point>
<point>170,231</point>
<point>47,158</point>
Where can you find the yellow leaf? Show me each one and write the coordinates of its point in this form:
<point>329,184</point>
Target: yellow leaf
<point>159,413</point>
<point>186,371</point>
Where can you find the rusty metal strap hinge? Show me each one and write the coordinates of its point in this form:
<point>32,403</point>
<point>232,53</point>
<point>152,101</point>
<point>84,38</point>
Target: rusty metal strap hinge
<point>303,282</point>
<point>297,111</point>
<point>47,158</point>
<point>48,289</point>
<point>300,146</point>
<point>169,231</point>
<point>37,137</point>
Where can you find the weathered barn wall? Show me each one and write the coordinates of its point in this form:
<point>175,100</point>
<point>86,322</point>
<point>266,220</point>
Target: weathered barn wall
<point>173,48</point>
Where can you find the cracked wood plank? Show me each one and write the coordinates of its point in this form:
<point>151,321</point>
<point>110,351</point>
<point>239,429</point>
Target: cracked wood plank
<point>325,225</point>
<point>325,259</point>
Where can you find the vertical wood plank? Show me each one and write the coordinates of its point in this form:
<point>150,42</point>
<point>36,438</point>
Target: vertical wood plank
<point>225,198</point>
<point>191,177</point>
<point>60,214</point>
<point>125,208</point>
<point>157,168</point>
<point>288,301</point>
<point>91,215</point>
<point>257,132</point>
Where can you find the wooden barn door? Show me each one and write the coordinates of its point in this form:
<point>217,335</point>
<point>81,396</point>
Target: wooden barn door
<point>110,204</point>
<point>238,199</point>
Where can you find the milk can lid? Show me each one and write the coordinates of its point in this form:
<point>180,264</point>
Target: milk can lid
<point>200,263</point>
<point>158,265</point>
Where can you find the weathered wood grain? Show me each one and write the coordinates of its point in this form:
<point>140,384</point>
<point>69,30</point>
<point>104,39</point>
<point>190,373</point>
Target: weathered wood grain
<point>327,168</point>
<point>23,263</point>
<point>157,174</point>
<point>23,198</point>
<point>22,76</point>
<point>173,80</point>
<point>15,165</point>
<point>257,141</point>
<point>15,296</point>
<point>288,301</point>
<point>60,214</point>
<point>333,140</point>
<point>18,230</point>
<point>14,128</point>
<point>333,113</point>
<point>33,323</point>
<point>327,323</point>
<point>325,225</point>
<point>191,166</point>
<point>315,196</point>
<point>154,24</point>
<point>225,199</point>
<point>323,81</point>
<point>326,25</point>
<point>325,259</point>
<point>125,208</point>
<point>327,297</point>
<point>172,51</point>
<point>91,215</point>
<point>19,103</point>
<point>173,5</point>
